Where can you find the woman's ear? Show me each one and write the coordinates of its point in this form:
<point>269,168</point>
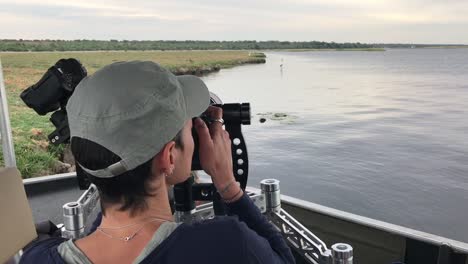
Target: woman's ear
<point>165,159</point>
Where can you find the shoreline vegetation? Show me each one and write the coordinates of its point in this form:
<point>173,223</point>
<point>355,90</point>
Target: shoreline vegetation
<point>34,155</point>
<point>23,45</point>
<point>164,45</point>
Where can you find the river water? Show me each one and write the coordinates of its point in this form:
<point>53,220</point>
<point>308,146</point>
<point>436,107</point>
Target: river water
<point>379,134</point>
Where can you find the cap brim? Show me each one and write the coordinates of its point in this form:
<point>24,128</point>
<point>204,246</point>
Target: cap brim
<point>197,96</point>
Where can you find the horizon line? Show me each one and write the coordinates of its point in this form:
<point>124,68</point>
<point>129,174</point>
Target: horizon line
<point>244,40</point>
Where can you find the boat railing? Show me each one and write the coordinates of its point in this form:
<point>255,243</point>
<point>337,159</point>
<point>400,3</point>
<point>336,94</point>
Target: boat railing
<point>409,233</point>
<point>5,127</point>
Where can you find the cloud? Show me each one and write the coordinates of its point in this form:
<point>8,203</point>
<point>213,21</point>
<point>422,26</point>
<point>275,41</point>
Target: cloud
<point>91,9</point>
<point>338,20</point>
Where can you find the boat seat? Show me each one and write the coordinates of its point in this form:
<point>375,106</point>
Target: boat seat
<point>16,222</point>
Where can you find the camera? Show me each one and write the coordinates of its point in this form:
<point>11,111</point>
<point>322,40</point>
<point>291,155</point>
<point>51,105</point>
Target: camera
<point>51,94</point>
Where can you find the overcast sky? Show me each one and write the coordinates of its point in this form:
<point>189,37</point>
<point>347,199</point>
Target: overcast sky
<point>370,21</point>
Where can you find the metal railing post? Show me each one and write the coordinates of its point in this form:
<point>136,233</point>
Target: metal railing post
<point>7,139</point>
<point>342,253</point>
<point>271,189</point>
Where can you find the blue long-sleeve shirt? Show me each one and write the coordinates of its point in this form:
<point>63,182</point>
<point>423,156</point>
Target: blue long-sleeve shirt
<point>245,236</point>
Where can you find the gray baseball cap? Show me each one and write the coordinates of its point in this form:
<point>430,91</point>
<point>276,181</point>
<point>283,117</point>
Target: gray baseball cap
<point>133,109</point>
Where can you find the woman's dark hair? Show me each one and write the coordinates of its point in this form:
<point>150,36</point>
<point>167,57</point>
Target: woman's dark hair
<point>129,189</point>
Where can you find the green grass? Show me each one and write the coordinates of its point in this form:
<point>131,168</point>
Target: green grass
<point>35,157</point>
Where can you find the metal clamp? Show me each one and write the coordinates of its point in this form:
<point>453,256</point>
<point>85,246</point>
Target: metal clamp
<point>271,190</point>
<point>76,213</point>
<point>205,211</point>
<point>342,254</point>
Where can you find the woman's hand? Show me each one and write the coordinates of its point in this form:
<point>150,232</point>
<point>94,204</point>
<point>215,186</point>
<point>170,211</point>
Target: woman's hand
<point>215,149</point>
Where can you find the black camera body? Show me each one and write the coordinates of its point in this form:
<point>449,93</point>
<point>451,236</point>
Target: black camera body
<point>51,94</point>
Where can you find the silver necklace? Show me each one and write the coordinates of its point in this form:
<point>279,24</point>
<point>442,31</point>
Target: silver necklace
<point>128,238</point>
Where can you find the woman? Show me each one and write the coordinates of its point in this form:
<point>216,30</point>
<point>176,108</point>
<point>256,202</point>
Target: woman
<point>130,126</point>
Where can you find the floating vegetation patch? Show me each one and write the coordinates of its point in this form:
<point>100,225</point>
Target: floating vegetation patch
<point>284,118</point>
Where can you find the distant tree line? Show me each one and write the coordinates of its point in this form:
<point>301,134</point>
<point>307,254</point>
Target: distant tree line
<point>89,45</point>
<point>396,45</point>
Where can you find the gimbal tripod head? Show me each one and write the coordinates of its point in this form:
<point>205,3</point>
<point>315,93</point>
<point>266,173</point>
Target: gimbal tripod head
<point>185,194</point>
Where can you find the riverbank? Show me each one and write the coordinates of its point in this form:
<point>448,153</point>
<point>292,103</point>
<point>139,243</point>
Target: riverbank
<point>35,156</point>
